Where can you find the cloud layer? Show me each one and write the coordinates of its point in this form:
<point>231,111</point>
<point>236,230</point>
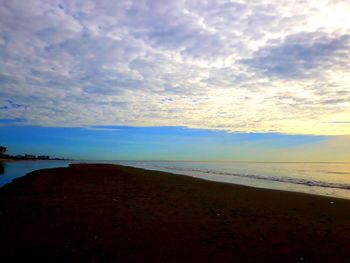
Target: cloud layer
<point>245,66</point>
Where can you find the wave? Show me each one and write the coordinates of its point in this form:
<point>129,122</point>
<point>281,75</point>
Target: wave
<point>284,179</point>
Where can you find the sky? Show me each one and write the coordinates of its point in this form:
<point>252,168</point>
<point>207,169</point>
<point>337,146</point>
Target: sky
<point>232,70</point>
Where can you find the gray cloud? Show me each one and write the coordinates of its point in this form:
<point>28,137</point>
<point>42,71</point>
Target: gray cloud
<point>8,104</point>
<point>302,55</point>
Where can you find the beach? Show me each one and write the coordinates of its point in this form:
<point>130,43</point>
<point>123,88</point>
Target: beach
<point>113,213</point>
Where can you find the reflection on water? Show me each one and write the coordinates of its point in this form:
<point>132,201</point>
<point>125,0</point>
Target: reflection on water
<point>2,169</point>
<point>15,169</point>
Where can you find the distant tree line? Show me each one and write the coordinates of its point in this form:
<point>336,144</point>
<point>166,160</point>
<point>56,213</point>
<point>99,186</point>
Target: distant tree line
<point>3,155</point>
<point>3,149</point>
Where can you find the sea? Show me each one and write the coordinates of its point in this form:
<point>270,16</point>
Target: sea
<point>328,179</point>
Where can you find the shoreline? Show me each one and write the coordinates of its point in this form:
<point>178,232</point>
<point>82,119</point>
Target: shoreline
<point>182,175</point>
<point>235,184</point>
<point>28,160</point>
<point>282,187</point>
<point>179,174</point>
<point>104,212</point>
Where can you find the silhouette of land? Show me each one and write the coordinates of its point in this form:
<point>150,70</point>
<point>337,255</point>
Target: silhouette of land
<point>6,157</point>
<point>109,213</point>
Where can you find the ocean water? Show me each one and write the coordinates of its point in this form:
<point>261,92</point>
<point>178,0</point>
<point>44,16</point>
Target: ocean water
<point>329,179</point>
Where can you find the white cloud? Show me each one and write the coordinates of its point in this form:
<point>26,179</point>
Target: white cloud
<point>241,66</point>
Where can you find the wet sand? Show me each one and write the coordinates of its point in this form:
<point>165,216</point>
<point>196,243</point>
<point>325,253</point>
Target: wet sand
<point>109,213</point>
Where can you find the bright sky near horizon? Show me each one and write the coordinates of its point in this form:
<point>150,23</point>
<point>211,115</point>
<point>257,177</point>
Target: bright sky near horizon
<point>255,66</point>
<point>172,143</point>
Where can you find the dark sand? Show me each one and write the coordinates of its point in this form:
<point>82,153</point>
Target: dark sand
<point>106,213</point>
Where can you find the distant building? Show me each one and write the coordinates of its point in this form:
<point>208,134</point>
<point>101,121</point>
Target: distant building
<point>30,156</point>
<point>44,157</point>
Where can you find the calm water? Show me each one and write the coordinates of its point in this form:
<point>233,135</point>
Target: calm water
<point>331,179</point>
<point>12,170</point>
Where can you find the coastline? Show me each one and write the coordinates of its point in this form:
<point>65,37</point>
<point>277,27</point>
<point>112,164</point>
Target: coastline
<point>94,212</point>
<point>8,160</point>
<point>31,160</point>
<point>268,179</point>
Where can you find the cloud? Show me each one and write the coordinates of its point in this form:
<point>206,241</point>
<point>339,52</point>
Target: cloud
<point>8,104</point>
<point>302,55</point>
<point>102,128</point>
<point>240,66</point>
<point>340,122</point>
